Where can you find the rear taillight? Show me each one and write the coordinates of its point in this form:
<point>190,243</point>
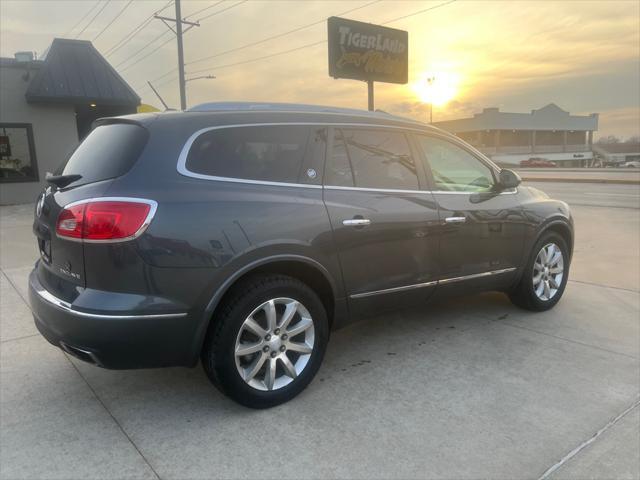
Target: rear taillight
<point>105,219</point>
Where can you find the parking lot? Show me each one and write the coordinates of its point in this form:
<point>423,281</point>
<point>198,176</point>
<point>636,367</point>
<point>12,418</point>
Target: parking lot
<point>471,388</point>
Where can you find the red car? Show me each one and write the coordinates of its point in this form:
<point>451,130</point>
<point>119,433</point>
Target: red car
<point>537,163</point>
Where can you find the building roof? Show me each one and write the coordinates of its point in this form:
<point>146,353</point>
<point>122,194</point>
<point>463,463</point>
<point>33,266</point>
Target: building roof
<point>74,72</point>
<point>550,117</point>
<point>617,148</point>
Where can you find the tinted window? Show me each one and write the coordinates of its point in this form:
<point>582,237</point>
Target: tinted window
<point>379,159</point>
<point>269,153</point>
<point>108,152</point>
<point>453,168</point>
<point>17,153</point>
<point>339,171</point>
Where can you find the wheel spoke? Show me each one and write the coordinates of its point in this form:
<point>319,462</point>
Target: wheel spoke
<point>254,368</point>
<point>248,348</point>
<point>270,311</point>
<point>556,270</point>
<point>551,250</point>
<point>556,258</point>
<point>288,366</point>
<point>547,290</point>
<point>540,289</point>
<point>300,327</point>
<point>288,314</point>
<point>270,374</point>
<point>253,326</point>
<point>552,282</point>
<point>537,278</point>
<point>299,347</point>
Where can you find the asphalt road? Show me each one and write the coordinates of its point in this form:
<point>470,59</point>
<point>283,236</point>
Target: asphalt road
<point>597,174</point>
<point>467,388</point>
<point>592,194</point>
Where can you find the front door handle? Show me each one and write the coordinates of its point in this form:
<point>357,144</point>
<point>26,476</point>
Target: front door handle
<point>455,219</point>
<point>356,222</point>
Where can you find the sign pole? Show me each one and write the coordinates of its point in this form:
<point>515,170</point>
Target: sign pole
<point>370,92</point>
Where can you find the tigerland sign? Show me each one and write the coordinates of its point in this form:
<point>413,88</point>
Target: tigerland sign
<point>363,51</point>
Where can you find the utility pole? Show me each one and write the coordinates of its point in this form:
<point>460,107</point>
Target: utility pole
<point>179,32</point>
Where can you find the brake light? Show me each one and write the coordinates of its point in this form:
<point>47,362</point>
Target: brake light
<point>105,219</point>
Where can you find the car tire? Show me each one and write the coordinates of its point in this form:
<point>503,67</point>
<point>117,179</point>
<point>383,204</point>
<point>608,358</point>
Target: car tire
<point>539,288</point>
<point>282,366</point>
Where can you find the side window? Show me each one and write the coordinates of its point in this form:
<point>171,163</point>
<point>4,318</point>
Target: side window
<point>17,153</point>
<point>453,168</point>
<point>269,153</point>
<point>339,172</point>
<point>379,159</point>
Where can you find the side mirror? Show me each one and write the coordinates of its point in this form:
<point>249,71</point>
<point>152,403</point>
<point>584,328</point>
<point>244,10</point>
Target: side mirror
<point>508,179</point>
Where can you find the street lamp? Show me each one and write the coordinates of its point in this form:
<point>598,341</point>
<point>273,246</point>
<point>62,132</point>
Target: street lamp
<point>198,78</point>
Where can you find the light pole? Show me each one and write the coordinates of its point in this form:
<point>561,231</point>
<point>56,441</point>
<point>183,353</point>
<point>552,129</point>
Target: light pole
<point>430,81</point>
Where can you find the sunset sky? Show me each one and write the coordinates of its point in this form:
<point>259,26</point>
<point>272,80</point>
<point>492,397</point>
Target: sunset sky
<point>518,56</point>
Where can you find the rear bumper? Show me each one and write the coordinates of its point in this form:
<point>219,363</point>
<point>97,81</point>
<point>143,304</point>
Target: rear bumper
<point>132,339</point>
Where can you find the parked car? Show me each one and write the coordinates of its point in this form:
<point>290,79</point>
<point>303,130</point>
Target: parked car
<point>242,234</point>
<point>537,162</point>
<point>632,164</point>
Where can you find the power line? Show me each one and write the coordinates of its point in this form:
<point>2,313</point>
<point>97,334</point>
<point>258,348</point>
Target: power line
<point>133,33</point>
<point>93,18</point>
<point>163,44</point>
<point>113,20</point>
<point>82,19</point>
<point>308,45</point>
<point>263,57</point>
<point>263,40</point>
<point>203,9</point>
<point>153,40</point>
<point>258,42</point>
<point>223,10</point>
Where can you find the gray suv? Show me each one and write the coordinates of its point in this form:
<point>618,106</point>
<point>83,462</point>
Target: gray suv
<point>242,234</point>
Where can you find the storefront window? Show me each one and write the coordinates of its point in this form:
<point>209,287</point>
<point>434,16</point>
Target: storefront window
<point>17,153</point>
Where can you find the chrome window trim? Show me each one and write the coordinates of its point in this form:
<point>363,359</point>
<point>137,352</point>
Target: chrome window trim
<point>443,281</point>
<point>147,221</point>
<point>66,306</point>
<point>182,169</point>
<point>184,153</point>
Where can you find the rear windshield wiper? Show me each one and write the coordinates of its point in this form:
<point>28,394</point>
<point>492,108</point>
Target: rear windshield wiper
<point>62,181</point>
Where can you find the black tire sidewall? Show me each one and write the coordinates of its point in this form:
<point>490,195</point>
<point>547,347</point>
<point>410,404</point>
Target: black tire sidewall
<point>224,359</point>
<point>527,280</point>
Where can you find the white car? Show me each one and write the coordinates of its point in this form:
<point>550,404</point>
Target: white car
<point>632,164</point>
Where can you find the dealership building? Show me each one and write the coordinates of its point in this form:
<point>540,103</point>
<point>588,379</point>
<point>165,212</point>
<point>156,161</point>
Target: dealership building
<point>549,133</point>
<point>47,106</point>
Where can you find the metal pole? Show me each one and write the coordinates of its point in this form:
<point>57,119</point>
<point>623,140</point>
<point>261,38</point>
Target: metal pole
<point>370,94</point>
<point>183,93</point>
<point>166,107</point>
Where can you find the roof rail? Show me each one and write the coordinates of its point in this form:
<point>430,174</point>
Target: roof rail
<point>292,107</point>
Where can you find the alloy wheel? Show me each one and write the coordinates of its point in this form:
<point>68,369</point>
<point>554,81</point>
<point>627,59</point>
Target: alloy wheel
<point>548,271</point>
<point>274,344</point>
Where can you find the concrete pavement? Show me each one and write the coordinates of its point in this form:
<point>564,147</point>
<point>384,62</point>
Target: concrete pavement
<point>470,388</point>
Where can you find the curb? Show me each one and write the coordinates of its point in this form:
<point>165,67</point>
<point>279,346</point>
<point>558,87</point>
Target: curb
<point>582,180</point>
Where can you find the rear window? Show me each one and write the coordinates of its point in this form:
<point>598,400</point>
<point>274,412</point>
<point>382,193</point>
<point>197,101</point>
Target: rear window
<point>108,152</point>
<point>268,153</point>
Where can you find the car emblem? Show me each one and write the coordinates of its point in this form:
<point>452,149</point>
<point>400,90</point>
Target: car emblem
<point>39,205</point>
<point>311,173</point>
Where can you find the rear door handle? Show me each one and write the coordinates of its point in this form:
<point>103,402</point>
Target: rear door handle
<point>455,219</point>
<point>356,222</point>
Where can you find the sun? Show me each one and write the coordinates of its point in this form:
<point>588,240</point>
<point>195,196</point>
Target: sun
<point>437,88</point>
